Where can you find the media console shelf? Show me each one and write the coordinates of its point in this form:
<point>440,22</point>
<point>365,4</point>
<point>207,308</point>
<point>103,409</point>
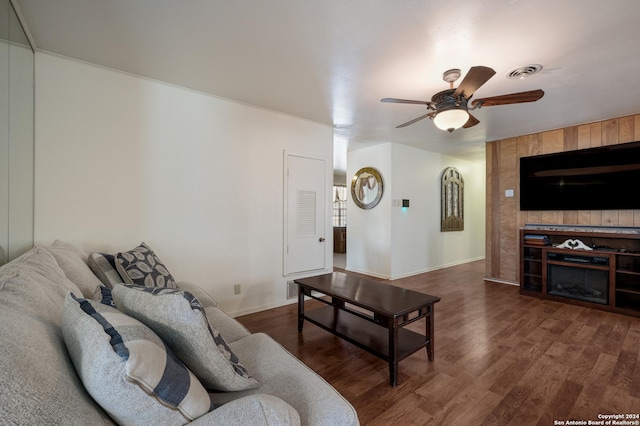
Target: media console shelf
<point>596,267</point>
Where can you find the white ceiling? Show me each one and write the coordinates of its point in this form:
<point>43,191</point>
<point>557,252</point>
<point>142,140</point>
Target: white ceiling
<point>331,61</point>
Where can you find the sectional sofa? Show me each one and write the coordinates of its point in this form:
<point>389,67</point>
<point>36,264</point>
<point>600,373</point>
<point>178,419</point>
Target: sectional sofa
<point>161,355</point>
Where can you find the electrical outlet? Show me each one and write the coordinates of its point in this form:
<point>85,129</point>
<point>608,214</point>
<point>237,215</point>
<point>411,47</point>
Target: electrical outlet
<point>236,289</point>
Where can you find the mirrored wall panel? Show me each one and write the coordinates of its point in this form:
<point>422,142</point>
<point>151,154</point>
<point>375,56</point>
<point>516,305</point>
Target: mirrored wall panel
<point>17,63</point>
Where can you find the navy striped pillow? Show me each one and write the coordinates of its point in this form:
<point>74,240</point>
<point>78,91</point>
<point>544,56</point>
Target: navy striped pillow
<point>102,339</point>
<point>106,297</point>
<point>104,267</point>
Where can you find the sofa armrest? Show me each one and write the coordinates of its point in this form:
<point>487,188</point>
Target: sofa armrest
<point>256,409</point>
<point>230,328</point>
<point>202,296</point>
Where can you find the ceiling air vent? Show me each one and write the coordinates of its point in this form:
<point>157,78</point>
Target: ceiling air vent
<point>525,71</point>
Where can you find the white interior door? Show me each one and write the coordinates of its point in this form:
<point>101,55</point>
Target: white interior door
<point>305,214</point>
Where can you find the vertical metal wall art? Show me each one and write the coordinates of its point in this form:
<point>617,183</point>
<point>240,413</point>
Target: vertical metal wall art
<point>452,203</point>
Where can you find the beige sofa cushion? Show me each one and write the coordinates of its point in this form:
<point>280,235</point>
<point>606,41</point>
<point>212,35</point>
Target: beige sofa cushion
<point>286,377</point>
<point>38,384</point>
<point>73,262</point>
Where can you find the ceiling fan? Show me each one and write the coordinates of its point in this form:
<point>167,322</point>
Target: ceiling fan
<point>450,108</point>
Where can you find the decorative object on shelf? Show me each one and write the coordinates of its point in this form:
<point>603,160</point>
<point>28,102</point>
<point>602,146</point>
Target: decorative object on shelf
<point>537,240</point>
<point>452,203</point>
<point>574,245</point>
<point>367,188</point>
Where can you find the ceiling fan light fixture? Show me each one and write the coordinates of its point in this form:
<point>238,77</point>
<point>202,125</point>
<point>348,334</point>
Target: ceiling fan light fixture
<point>449,109</point>
<point>451,119</point>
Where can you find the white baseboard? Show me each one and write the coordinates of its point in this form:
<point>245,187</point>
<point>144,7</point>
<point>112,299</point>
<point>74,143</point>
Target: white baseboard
<point>371,274</point>
<point>422,271</point>
<point>495,280</point>
<point>241,312</point>
<point>435,268</point>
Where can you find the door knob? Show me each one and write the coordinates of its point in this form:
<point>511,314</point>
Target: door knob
<point>321,239</point>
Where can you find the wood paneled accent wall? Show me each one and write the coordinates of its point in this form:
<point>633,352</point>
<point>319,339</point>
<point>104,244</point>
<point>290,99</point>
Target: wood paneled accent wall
<point>503,214</point>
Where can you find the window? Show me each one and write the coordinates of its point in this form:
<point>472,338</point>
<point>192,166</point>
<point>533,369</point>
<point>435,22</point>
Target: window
<point>339,206</point>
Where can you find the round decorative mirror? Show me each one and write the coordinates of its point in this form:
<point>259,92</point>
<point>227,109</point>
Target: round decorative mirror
<point>366,188</point>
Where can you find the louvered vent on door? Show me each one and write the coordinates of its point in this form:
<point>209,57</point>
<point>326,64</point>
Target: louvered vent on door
<point>306,226</point>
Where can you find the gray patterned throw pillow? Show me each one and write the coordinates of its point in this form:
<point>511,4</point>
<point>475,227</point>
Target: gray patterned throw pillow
<point>141,266</point>
<point>180,320</point>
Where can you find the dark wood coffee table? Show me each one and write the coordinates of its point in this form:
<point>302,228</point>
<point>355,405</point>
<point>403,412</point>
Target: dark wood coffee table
<point>369,314</point>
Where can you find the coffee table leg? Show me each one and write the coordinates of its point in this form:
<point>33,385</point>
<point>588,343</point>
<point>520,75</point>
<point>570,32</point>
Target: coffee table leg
<point>300,307</point>
<point>430,333</point>
<point>393,354</point>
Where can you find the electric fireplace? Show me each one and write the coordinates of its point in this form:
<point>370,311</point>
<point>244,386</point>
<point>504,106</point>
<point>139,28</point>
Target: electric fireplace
<point>579,277</point>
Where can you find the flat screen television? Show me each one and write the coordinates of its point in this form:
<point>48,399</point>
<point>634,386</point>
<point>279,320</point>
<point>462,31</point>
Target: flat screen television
<point>602,178</point>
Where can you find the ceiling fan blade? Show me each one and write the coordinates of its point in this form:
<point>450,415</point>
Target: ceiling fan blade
<point>476,77</point>
<point>405,101</point>
<point>472,121</point>
<point>513,98</point>
<point>415,120</point>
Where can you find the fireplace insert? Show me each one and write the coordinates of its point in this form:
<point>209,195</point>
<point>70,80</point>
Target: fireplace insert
<point>577,280</point>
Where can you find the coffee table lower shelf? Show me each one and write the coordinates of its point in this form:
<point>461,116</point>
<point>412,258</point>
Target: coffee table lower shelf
<point>364,333</point>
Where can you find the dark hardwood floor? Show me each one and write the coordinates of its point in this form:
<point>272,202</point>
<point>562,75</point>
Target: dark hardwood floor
<point>500,358</point>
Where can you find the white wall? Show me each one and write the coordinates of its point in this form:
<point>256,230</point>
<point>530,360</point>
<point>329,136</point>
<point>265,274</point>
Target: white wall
<point>410,239</point>
<point>122,159</point>
<point>369,231</point>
